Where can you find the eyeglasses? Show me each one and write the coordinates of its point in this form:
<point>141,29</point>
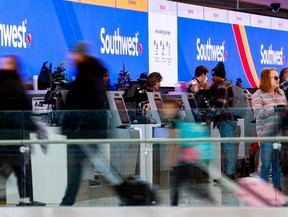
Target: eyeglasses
<point>275,77</point>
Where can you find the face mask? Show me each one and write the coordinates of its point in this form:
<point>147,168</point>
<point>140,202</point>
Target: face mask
<point>205,80</point>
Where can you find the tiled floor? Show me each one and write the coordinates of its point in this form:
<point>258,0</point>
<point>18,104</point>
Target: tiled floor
<point>221,195</point>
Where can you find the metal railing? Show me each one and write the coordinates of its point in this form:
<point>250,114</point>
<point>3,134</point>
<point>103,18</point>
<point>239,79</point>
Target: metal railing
<point>151,140</point>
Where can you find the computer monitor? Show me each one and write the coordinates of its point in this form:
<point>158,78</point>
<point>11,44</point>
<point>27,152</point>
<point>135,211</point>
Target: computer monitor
<point>192,101</point>
<point>193,108</point>
<point>160,109</point>
<point>131,90</point>
<point>188,109</point>
<point>135,91</point>
<point>36,99</point>
<point>118,109</point>
<point>157,108</point>
<point>122,111</point>
<point>202,99</point>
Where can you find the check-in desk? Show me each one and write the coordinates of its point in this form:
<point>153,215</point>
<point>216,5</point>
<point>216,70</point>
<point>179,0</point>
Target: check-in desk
<point>240,148</point>
<point>138,158</point>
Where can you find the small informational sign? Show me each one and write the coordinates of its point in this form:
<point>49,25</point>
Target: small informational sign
<point>39,105</point>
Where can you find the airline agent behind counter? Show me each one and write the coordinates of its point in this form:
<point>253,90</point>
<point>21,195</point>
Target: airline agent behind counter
<point>153,85</point>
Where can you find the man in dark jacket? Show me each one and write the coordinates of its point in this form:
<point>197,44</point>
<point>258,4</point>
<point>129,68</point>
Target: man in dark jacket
<point>221,101</point>
<point>16,124</point>
<point>85,118</point>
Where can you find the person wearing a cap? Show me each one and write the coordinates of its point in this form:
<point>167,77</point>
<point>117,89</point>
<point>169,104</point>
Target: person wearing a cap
<point>239,82</point>
<point>200,80</point>
<point>85,117</point>
<point>223,119</point>
<point>78,53</point>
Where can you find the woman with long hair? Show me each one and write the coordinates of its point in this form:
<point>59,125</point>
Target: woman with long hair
<point>265,102</point>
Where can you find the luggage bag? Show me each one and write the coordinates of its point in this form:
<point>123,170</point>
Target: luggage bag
<point>132,191</point>
<point>252,191</point>
<point>259,189</point>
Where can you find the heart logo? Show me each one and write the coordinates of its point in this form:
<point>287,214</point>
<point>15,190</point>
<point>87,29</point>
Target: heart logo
<point>29,39</point>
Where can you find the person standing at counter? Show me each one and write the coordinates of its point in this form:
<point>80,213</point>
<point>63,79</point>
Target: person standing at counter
<point>221,101</point>
<point>200,80</point>
<point>153,85</point>
<point>265,102</point>
<point>105,79</point>
<point>154,82</point>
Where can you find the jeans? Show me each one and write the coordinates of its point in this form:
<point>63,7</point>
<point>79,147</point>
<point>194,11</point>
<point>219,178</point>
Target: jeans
<point>268,156</point>
<point>227,129</point>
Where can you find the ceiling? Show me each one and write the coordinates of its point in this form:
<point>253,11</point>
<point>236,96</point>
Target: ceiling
<point>262,7</point>
<point>283,3</point>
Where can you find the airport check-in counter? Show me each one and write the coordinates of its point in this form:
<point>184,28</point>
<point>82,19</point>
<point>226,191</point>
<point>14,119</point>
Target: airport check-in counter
<point>125,156</point>
<point>145,159</point>
<point>127,159</point>
<point>151,157</point>
<point>140,158</point>
<point>190,112</point>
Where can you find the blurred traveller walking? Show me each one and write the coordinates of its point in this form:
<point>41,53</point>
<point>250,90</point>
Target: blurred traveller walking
<point>85,118</point>
<point>186,157</point>
<point>15,124</point>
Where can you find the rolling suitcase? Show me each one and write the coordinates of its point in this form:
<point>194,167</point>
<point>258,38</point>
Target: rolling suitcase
<point>257,192</point>
<point>135,192</point>
<point>131,190</point>
<point>252,191</point>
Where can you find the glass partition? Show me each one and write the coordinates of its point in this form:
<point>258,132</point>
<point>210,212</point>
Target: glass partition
<point>85,159</point>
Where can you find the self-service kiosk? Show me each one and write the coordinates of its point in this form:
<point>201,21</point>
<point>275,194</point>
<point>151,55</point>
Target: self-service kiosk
<point>125,156</point>
<point>142,151</point>
<point>156,114</point>
<point>152,163</point>
<point>119,114</point>
<point>121,127</point>
<point>187,104</point>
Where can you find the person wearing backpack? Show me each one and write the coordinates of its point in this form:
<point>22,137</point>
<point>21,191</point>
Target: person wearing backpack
<point>220,103</point>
